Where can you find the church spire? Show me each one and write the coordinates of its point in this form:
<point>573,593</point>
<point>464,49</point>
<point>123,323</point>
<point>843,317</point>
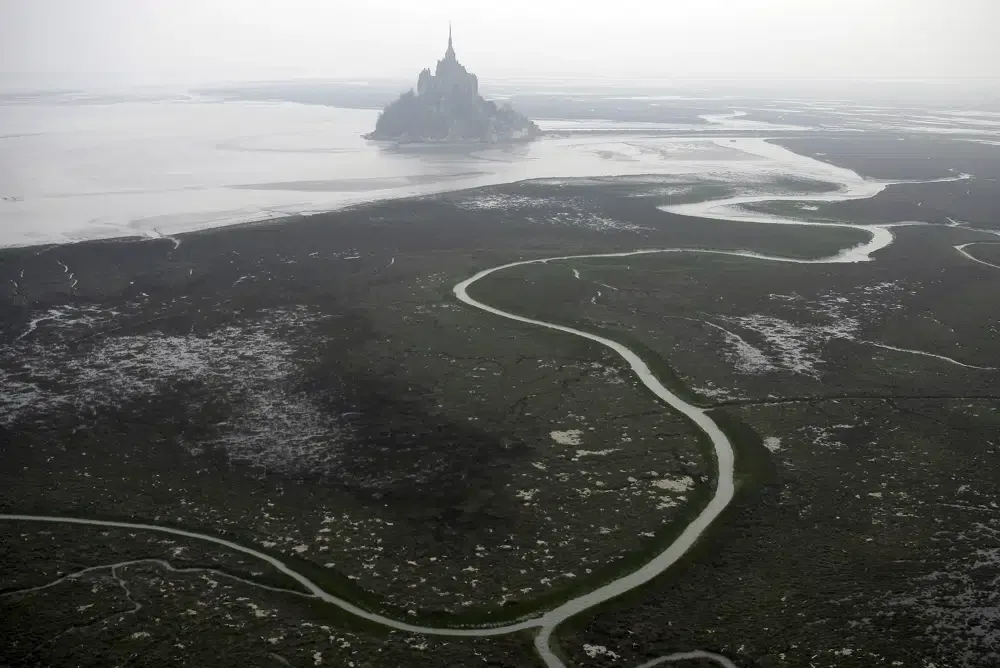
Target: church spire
<point>450,53</point>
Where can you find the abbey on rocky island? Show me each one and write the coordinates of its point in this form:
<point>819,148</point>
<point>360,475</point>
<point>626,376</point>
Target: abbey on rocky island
<point>447,107</point>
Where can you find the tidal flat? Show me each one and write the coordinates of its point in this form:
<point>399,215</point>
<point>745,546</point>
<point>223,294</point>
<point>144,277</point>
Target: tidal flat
<point>311,386</point>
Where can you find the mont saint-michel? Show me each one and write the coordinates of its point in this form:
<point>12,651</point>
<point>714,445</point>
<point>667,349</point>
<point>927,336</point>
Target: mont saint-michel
<point>447,107</point>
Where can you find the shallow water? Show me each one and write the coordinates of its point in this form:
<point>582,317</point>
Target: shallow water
<point>70,172</point>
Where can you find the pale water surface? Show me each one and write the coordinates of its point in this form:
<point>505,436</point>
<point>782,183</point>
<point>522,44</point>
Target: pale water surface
<point>70,172</point>
<point>75,171</point>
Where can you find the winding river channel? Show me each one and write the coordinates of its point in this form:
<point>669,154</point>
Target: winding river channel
<point>852,186</point>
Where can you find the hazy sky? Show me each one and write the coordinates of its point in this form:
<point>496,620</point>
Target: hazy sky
<point>200,40</point>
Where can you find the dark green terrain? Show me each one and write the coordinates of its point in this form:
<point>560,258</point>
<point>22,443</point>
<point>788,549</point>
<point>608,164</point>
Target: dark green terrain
<point>313,388</point>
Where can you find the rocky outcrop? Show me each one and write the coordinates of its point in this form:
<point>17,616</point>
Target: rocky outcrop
<point>447,107</point>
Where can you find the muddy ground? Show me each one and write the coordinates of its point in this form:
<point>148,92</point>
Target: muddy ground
<point>311,386</point>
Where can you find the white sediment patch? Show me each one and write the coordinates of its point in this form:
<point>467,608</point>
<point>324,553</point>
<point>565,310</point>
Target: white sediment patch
<point>259,612</point>
<point>822,438</point>
<point>712,392</point>
<point>750,360</point>
<point>798,348</point>
<point>594,651</point>
<point>251,367</point>
<point>505,202</point>
<point>663,191</point>
<point>795,348</point>
<point>682,484</point>
<point>745,357</point>
<point>773,443</point>
<point>570,437</point>
<point>69,315</point>
<point>526,495</point>
<point>592,221</point>
<point>599,453</point>
<point>575,213</point>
